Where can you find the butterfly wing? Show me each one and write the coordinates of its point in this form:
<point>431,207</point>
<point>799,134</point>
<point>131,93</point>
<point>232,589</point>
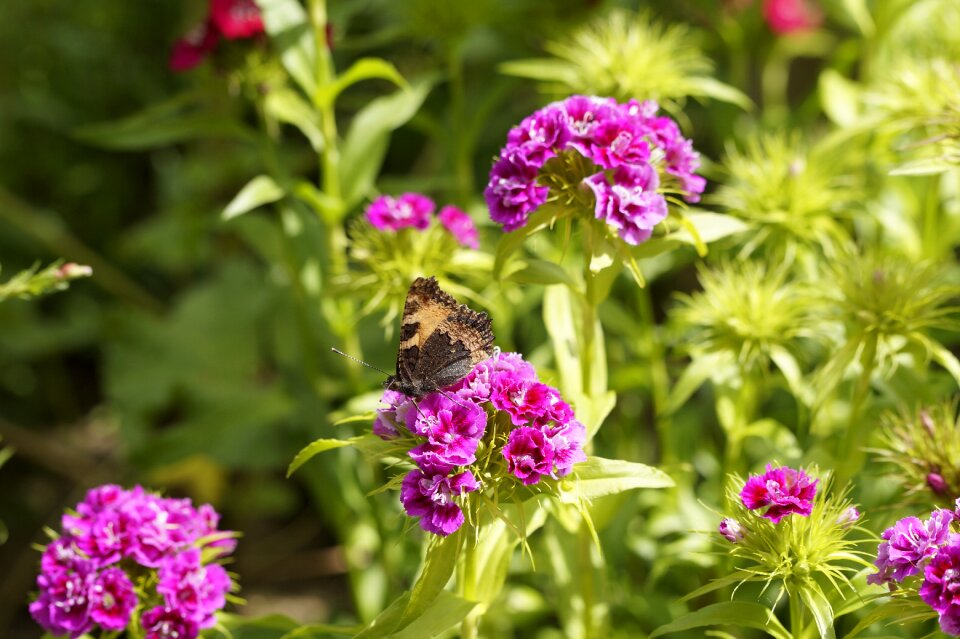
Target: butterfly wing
<point>440,340</point>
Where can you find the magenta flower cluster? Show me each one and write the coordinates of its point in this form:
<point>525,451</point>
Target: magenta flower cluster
<point>413,210</point>
<point>115,542</point>
<point>782,491</point>
<point>446,430</point>
<point>631,152</point>
<point>929,548</point>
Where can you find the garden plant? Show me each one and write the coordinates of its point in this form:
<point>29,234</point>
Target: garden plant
<point>504,318</point>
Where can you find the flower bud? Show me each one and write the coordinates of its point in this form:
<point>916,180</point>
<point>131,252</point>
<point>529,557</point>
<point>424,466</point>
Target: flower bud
<point>71,271</point>
<point>937,483</point>
<point>731,530</point>
<point>848,517</point>
<point>927,422</point>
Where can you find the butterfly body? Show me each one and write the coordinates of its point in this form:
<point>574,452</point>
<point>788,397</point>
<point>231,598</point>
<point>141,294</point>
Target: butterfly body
<point>440,341</point>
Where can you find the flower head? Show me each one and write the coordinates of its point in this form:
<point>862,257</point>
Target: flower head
<point>908,545</point>
<point>236,18</point>
<point>431,496</point>
<point>389,213</point>
<point>791,16</point>
<point>616,160</point>
<point>119,544</point>
<point>194,47</point>
<point>941,577</point>
<point>460,225</point>
<point>497,427</point>
<point>782,491</point>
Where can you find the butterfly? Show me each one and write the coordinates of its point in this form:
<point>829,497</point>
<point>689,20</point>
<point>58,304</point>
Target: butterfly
<point>440,341</point>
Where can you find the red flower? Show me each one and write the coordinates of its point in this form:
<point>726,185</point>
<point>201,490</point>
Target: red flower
<point>193,48</point>
<point>790,16</point>
<point>236,18</point>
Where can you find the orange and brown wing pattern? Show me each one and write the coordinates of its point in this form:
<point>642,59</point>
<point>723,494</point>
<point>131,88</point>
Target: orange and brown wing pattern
<point>440,340</point>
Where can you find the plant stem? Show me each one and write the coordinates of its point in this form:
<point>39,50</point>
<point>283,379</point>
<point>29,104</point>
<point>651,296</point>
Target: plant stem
<point>659,377</point>
<point>466,582</point>
<point>797,621</point>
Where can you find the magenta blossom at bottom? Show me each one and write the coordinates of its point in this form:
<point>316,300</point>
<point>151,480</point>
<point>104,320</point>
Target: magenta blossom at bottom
<point>431,495</point>
<point>168,623</point>
<point>112,599</point>
<point>529,455</point>
<point>783,491</point>
<point>908,544</point>
<point>941,577</point>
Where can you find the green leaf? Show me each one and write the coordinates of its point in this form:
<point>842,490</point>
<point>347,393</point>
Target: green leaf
<point>593,409</point>
<point>840,98</point>
<point>267,627</point>
<point>820,608</point>
<point>694,375</point>
<point>329,208</point>
<point>317,447</point>
<point>541,69</point>
<point>737,613</point>
<point>257,192</point>
<point>946,359</point>
<point>287,106</point>
<point>438,566</point>
<point>558,314</point>
<point>367,139</point>
<point>162,125</point>
<point>598,477</point>
<point>445,611</point>
<point>712,88</point>
<point>289,28</point>
<point>860,15</point>
<point>711,226</point>
<point>925,166</point>
<point>511,242</point>
<point>537,271</point>
<point>362,69</point>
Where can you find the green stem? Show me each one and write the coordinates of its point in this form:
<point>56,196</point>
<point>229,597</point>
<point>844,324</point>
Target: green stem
<point>466,585</point>
<point>463,173</point>
<point>932,231</point>
<point>797,621</point>
<point>852,455</point>
<point>659,377</point>
<point>58,238</point>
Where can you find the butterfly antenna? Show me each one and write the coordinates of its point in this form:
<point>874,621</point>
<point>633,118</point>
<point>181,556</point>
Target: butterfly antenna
<point>452,398</point>
<point>359,361</point>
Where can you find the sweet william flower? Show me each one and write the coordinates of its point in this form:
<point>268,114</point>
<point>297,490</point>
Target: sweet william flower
<point>791,16</point>
<point>112,599</point>
<point>941,577</point>
<point>460,225</point>
<point>782,491</point>
<point>236,18</point>
<point>430,495</point>
<point>908,545</point>
<point>529,455</point>
<point>567,441</point>
<point>628,202</point>
<point>194,47</point>
<point>512,192</point>
<point>167,623</point>
<point>389,213</point>
<point>63,607</point>
<point>194,590</point>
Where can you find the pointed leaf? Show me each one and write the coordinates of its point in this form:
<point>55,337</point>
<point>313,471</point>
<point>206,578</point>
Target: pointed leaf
<point>445,611</point>
<point>289,28</point>
<point>287,106</point>
<point>316,448</point>
<point>820,608</point>
<point>728,613</point>
<point>257,192</point>
<point>438,567</point>
<point>362,69</point>
<point>598,477</point>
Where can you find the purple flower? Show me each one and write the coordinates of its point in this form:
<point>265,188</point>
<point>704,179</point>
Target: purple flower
<point>680,158</point>
<point>731,530</point>
<point>168,623</point>
<point>385,425</point>
<point>628,201</point>
<point>584,113</point>
<point>63,607</point>
<point>941,577</point>
<point>453,429</point>
<point>529,455</point>
<point>540,135</point>
<point>615,143</point>
<point>491,372</point>
<point>909,543</point>
<point>431,496</point>
<point>460,225</point>
<point>950,620</point>
<point>389,213</point>
<point>112,599</point>
<point>783,491</point>
<point>194,590</point>
<point>567,443</point>
<point>512,191</point>
<point>524,400</point>
<point>62,555</point>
